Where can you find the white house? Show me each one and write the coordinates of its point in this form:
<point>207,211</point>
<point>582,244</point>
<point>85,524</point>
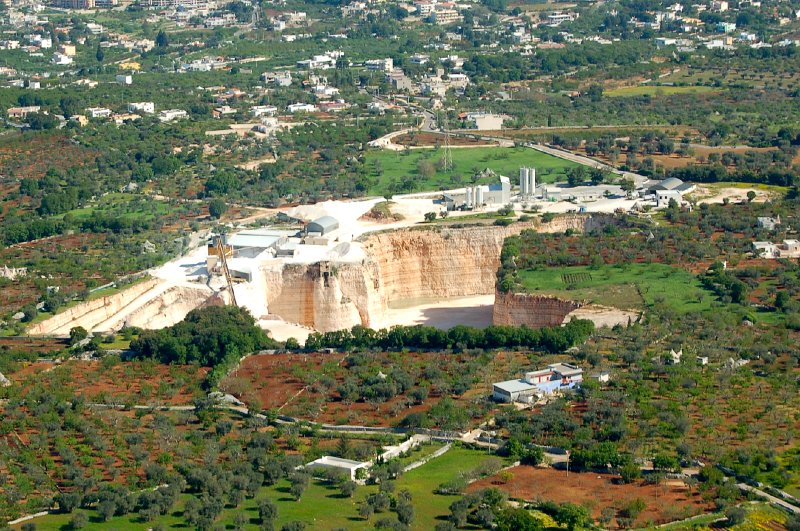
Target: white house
<point>766,249</point>
<point>263,110</point>
<point>172,114</point>
<point>61,60</point>
<point>674,358</point>
<point>387,65</point>
<point>98,112</point>
<point>281,78</point>
<point>124,79</point>
<point>301,107</point>
<point>769,223</point>
<point>486,121</point>
<point>146,107</point>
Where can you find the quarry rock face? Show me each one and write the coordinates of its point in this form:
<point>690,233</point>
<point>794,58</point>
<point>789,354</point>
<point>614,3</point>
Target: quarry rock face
<point>149,304</point>
<point>402,268</point>
<point>535,311</point>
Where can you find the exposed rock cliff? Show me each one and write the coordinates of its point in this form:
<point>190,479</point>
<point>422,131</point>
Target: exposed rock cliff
<point>149,304</point>
<point>531,310</point>
<point>402,268</point>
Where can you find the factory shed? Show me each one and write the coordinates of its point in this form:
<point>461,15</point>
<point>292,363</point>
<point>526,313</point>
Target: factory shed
<point>323,225</point>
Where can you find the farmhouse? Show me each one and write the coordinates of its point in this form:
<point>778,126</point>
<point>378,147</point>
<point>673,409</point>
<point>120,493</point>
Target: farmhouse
<point>98,112</point>
<point>146,107</point>
<point>345,466</point>
<point>172,114</point>
<point>769,223</point>
<point>301,107</point>
<point>555,378</point>
<point>766,249</point>
<point>22,112</point>
<point>787,249</point>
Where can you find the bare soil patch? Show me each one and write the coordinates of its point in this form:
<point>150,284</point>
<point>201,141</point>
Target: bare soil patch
<point>672,500</point>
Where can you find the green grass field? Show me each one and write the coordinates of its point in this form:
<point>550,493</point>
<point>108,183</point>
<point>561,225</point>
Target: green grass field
<point>321,506</point>
<point>655,90</point>
<point>758,516</point>
<point>617,286</point>
<point>398,167</point>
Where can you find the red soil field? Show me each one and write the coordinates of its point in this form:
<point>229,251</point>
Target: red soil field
<point>670,501</point>
<point>286,382</point>
<point>140,383</point>
<point>33,344</point>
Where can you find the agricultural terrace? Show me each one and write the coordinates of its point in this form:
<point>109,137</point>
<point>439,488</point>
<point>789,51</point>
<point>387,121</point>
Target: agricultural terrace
<point>420,170</point>
<point>415,389</point>
<point>657,90</point>
<point>635,286</point>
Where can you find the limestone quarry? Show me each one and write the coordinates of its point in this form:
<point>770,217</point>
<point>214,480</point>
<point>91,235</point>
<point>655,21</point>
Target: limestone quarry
<point>432,274</point>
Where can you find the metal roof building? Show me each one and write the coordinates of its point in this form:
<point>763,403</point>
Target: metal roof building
<point>323,225</point>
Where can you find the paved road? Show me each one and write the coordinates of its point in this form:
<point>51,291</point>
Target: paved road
<point>580,159</point>
<point>772,499</point>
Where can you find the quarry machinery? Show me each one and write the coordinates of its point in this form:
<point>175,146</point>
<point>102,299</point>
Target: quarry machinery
<point>221,250</point>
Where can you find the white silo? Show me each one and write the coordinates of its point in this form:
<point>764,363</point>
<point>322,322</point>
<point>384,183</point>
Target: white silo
<point>531,181</point>
<point>523,181</point>
<point>479,196</point>
<point>468,200</point>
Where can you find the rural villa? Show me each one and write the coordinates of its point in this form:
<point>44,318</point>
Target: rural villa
<point>536,384</point>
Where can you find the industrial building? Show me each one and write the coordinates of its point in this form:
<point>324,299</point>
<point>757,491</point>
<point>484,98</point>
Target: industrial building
<point>527,183</point>
<point>480,196</point>
<point>672,184</point>
<point>322,226</point>
<point>345,466</point>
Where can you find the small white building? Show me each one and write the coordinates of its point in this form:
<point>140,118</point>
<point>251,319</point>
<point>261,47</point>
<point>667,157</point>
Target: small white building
<point>769,223</point>
<point>280,78</point>
<point>172,114</point>
<point>301,107</point>
<point>663,197</point>
<point>387,65</point>
<point>98,112</point>
<point>263,110</point>
<point>146,107</point>
<point>124,79</point>
<point>486,121</point>
<point>61,59</point>
<point>766,249</point>
<point>346,466</point>
<point>791,246</point>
